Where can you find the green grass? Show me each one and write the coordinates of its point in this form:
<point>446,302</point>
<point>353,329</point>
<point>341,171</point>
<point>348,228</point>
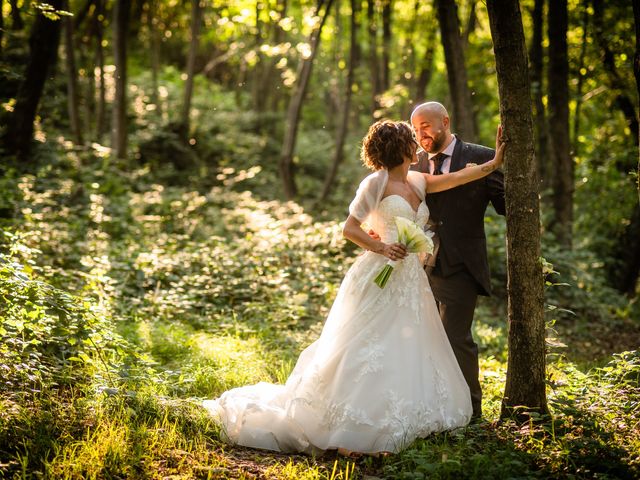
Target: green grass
<point>191,291</point>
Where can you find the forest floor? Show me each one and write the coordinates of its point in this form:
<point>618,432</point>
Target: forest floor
<point>199,290</point>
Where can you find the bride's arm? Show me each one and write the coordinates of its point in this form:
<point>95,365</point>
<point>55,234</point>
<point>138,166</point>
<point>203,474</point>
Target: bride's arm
<point>438,183</point>
<point>352,231</point>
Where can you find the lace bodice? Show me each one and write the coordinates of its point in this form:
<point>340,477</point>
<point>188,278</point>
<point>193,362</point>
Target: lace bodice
<point>383,220</point>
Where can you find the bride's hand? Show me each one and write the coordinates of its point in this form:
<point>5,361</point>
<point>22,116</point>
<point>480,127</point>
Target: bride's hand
<point>394,251</point>
<point>500,144</point>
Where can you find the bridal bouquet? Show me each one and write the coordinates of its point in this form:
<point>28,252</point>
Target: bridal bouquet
<point>411,236</point>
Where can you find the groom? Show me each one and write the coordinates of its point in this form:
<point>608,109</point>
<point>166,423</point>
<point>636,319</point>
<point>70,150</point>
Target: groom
<point>461,269</point>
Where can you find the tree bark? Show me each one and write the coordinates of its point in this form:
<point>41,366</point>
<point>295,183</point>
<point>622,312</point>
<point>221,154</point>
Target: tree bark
<point>119,120</point>
<point>43,46</point>
<point>456,69</point>
<point>16,18</point>
<point>72,79</point>
<point>196,11</point>
<point>295,105</point>
<point>525,384</point>
<point>563,184</point>
<point>536,60</point>
<point>346,108</point>
<point>387,10</point>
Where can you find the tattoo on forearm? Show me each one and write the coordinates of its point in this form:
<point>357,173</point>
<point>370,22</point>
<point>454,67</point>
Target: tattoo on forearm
<point>488,168</point>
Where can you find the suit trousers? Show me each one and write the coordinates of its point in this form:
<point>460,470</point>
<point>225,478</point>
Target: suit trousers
<point>456,295</point>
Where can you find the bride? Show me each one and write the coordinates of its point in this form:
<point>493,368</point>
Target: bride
<point>382,372</point>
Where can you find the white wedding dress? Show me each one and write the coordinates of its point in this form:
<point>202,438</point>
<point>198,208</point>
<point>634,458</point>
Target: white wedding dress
<point>381,374</point>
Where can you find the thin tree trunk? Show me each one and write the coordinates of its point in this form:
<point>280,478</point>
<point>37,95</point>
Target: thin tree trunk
<point>155,54</point>
<point>72,79</point>
<point>581,77</point>
<point>525,384</point>
<point>536,60</point>
<point>374,69</point>
<point>387,11</point>
<point>43,47</point>
<point>16,18</point>
<point>636,71</point>
<point>563,184</point>
<point>624,103</point>
<point>295,105</point>
<point>346,108</point>
<point>119,120</point>
<point>99,55</point>
<point>471,24</point>
<point>196,10</point>
<point>456,69</point>
<point>79,17</point>
<point>1,24</point>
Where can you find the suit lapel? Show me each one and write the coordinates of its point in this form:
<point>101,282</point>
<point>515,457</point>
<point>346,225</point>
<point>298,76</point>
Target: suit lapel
<point>457,160</point>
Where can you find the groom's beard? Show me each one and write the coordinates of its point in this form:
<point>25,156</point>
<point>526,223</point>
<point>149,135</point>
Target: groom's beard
<point>437,143</point>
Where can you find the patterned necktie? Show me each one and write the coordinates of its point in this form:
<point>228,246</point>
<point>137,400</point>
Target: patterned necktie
<point>438,160</point>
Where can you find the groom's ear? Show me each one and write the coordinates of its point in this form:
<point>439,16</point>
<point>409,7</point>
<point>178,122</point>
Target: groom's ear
<point>446,122</point>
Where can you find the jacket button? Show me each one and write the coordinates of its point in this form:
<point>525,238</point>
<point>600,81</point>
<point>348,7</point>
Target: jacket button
<point>440,223</point>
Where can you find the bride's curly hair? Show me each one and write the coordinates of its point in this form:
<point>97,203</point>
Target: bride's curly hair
<point>387,144</point>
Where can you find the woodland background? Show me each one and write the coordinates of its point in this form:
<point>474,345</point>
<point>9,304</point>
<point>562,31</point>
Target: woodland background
<point>174,176</point>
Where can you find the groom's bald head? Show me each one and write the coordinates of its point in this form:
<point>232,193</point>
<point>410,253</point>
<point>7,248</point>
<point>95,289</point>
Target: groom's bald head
<point>432,109</point>
<point>431,125</point>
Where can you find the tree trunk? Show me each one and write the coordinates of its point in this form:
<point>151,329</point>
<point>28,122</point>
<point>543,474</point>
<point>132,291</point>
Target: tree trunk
<point>456,70</point>
<point>155,54</point>
<point>196,10</point>
<point>295,105</point>
<point>525,384</point>
<point>636,70</point>
<point>101,105</point>
<point>536,60</point>
<point>374,69</point>
<point>119,121</point>
<point>471,24</point>
<point>617,84</point>
<point>624,270</point>
<point>1,24</point>
<point>581,76</point>
<point>72,79</point>
<point>16,18</point>
<point>563,181</point>
<point>387,10</point>
<point>43,46</point>
<point>426,65</point>
<point>346,108</point>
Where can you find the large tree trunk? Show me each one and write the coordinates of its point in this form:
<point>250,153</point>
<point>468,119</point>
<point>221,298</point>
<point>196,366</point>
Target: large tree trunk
<point>374,61</point>
<point>387,10</point>
<point>525,385</point>
<point>456,69</point>
<point>119,121</point>
<point>536,60</point>
<point>295,104</point>
<point>343,128</point>
<point>43,46</point>
<point>72,80</point>
<point>196,10</point>
<point>563,184</point>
